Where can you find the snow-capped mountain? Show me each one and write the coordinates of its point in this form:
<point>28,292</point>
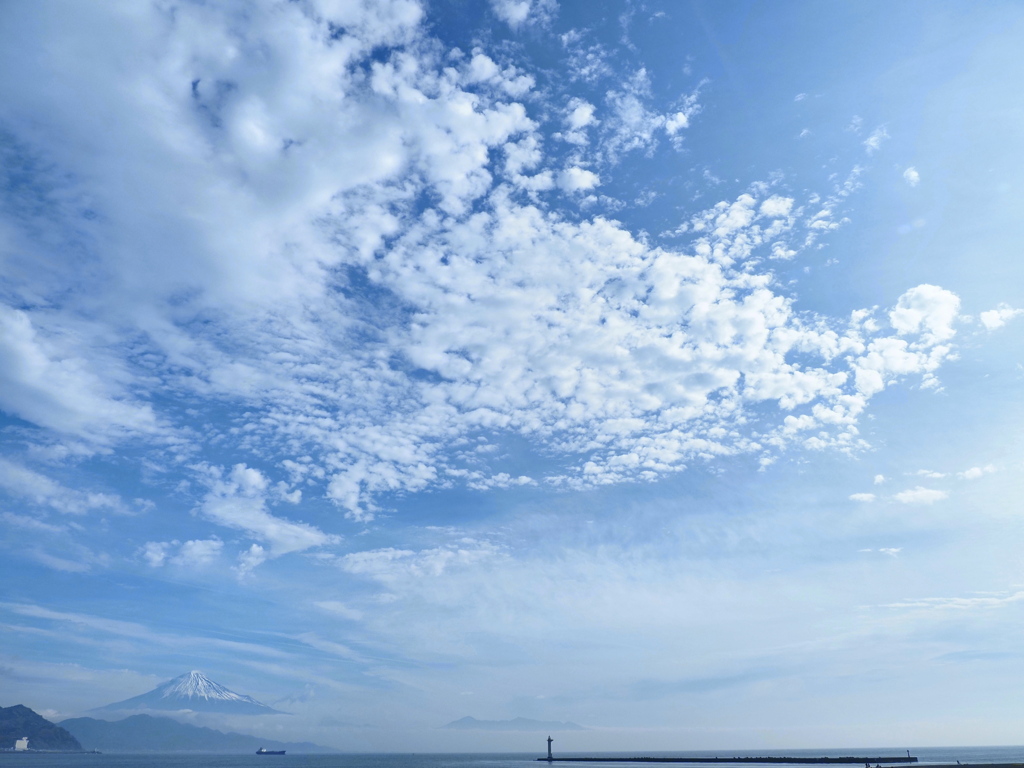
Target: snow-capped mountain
<point>196,692</point>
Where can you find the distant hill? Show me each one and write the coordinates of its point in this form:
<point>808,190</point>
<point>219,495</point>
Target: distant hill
<point>145,733</point>
<point>18,721</point>
<point>196,692</point>
<point>518,724</point>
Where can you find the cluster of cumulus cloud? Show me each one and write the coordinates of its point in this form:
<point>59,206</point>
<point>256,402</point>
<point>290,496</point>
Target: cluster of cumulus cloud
<point>378,255</point>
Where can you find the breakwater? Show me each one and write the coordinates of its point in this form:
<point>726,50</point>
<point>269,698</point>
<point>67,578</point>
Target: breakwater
<point>776,760</point>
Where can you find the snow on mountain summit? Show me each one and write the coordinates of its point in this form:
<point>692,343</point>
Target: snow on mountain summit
<point>195,684</point>
<point>196,692</point>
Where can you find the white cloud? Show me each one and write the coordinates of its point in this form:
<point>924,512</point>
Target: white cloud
<point>632,125</point>
<point>776,206</point>
<point>579,116</point>
<point>517,13</point>
<point>198,552</point>
<point>576,179</point>
<point>392,566</point>
<point>975,472</point>
<point>919,495</point>
<point>998,317</point>
<point>926,309</point>
<point>874,141</point>
<point>239,501</point>
<point>481,68</point>
<point>585,62</point>
<point>827,217</point>
<point>891,551</point>
<point>192,554</point>
<point>865,497</point>
<point>912,177</point>
<point>251,559</point>
<point>879,479</point>
<point>344,240</point>
<point>675,122</point>
<point>155,552</point>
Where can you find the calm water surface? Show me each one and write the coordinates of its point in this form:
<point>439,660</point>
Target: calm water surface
<point>11,760</point>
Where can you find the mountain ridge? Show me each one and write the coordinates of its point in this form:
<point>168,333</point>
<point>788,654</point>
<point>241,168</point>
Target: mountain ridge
<point>196,692</point>
<point>19,721</point>
<point>148,733</point>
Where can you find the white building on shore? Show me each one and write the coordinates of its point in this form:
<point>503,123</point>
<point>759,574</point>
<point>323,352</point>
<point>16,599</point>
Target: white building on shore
<point>21,745</point>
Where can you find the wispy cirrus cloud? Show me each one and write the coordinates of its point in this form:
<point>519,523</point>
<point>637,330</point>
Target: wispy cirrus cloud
<point>26,484</point>
<point>47,382</point>
<point>85,623</point>
<point>981,602</point>
<point>190,554</point>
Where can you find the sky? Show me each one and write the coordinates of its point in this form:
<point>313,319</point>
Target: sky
<point>653,366</point>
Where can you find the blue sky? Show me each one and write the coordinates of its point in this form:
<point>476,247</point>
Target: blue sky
<point>652,366</point>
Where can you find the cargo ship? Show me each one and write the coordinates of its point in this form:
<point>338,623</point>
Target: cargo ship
<point>262,751</point>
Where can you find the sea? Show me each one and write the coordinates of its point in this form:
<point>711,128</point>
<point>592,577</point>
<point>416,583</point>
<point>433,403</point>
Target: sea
<point>925,755</point>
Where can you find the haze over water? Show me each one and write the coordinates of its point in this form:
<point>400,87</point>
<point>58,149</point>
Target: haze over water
<point>927,755</point>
